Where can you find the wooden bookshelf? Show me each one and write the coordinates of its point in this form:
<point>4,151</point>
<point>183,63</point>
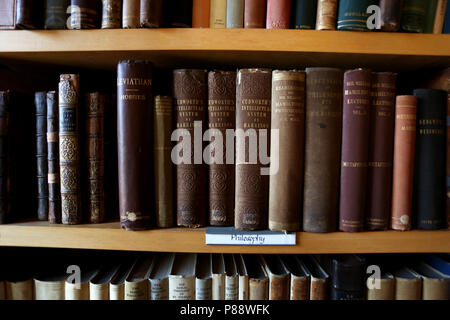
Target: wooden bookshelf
<point>109,236</point>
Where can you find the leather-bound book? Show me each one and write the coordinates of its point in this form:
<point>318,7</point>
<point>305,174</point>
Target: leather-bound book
<point>448,161</point>
<point>111,163</point>
<point>439,17</point>
<point>190,92</point>
<point>379,176</point>
<point>131,14</point>
<point>386,290</point>
<point>348,278</point>
<point>319,279</point>
<point>40,101</point>
<point>288,116</point>
<point>255,14</point>
<point>84,14</point>
<point>446,28</point>
<point>408,284</point>
<point>322,148</point>
<point>352,14</point>
<point>326,14</point>
<point>253,103</point>
<point>218,14</point>
<point>413,15</point>
<point>26,11</point>
<point>279,277</point>
<point>258,280</point>
<point>95,152</point>
<point>4,156</point>
<point>200,13</point>
<point>235,13</point>
<point>436,285</point>
<point>391,11</point>
<point>278,14</point>
<point>429,173</point>
<point>429,16</point>
<point>8,14</point>
<point>180,13</point>
<point>355,149</point>
<point>300,277</point>
<point>163,119</point>
<point>56,14</point>
<point>221,116</point>
<point>151,13</point>
<point>134,143</point>
<point>54,194</point>
<point>111,14</point>
<point>403,166</point>
<point>303,14</point>
<point>69,153</point>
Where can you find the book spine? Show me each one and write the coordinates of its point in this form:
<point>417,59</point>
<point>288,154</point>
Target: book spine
<point>99,291</point>
<point>324,87</point>
<point>288,117</point>
<point>446,28</point>
<point>134,129</point>
<point>218,287</point>
<point>385,292</point>
<point>352,14</point>
<point>111,165</point>
<point>218,14</point>
<point>391,11</point>
<point>190,92</point>
<point>278,14</point>
<point>69,153</point>
<point>355,151</point>
<point>231,287</point>
<point>439,17</point>
<point>180,13</point>
<point>221,116</point>
<point>136,290</point>
<point>111,14</point>
<point>348,280</point>
<point>253,120</point>
<point>200,13</point>
<point>255,14</point>
<point>304,14</point>
<point>116,291</point>
<point>203,289</point>
<point>235,13</point>
<point>413,15</point>
<point>40,100</point>
<point>56,14</point>
<point>448,161</point>
<point>159,289</point>
<point>163,118</point>
<point>54,194</point>
<point>279,287</point>
<point>24,14</point>
<point>95,103</point>
<point>379,175</point>
<point>258,289</point>
<point>8,15</point>
<point>429,16</point>
<point>84,14</point>
<point>181,288</point>
<point>326,14</point>
<point>408,289</point>
<point>243,288</point>
<point>131,14</point>
<point>403,168</point>
<point>319,289</point>
<point>4,156</point>
<point>429,173</point>
<point>151,13</point>
<point>436,289</point>
<point>300,287</point>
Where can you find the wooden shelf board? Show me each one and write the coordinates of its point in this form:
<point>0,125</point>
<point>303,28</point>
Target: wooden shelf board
<point>227,47</point>
<point>109,236</point>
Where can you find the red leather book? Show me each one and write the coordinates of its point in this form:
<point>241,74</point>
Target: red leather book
<point>380,151</point>
<point>255,14</point>
<point>355,151</point>
<point>200,13</point>
<point>278,14</point>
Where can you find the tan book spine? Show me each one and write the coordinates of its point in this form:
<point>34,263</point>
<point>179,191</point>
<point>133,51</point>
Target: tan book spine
<point>279,287</point>
<point>243,287</point>
<point>218,286</point>
<point>439,17</point>
<point>319,289</point>
<point>136,290</point>
<point>231,287</point>
<point>300,287</point>
<point>436,289</point>
<point>2,290</point>
<point>99,291</point>
<point>408,289</point>
<point>117,291</point>
<point>111,14</point>
<point>326,14</point>
<point>74,293</point>
<point>385,292</point>
<point>21,290</point>
<point>258,289</point>
<point>49,290</point>
<point>163,116</point>
<point>181,287</point>
<point>218,14</point>
<point>403,165</point>
<point>288,117</point>
<point>131,14</point>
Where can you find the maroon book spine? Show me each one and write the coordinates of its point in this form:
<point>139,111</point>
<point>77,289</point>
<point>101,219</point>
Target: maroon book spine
<point>278,14</point>
<point>355,151</point>
<point>255,14</point>
<point>381,144</point>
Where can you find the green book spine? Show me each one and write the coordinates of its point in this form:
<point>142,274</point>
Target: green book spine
<point>304,14</point>
<point>352,14</point>
<point>413,15</point>
<point>429,17</point>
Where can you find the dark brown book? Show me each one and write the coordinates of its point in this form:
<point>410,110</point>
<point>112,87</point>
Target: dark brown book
<point>111,172</point>
<point>379,175</point>
<point>40,101</point>
<point>111,14</point>
<point>163,119</point>
<point>190,93</point>
<point>322,148</point>
<point>8,14</point>
<point>54,194</point>
<point>69,153</point>
<point>131,14</point>
<point>179,13</point>
<point>391,11</point>
<point>255,14</point>
<point>403,167</point>
<point>253,101</point>
<point>278,14</point>
<point>151,13</point>
<point>24,14</point>
<point>355,149</point>
<point>134,144</point>
<point>4,156</point>
<point>286,182</point>
<point>56,14</point>
<point>95,152</point>
<point>84,14</point>
<point>221,116</point>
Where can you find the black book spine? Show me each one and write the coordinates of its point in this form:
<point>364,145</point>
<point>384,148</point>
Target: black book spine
<point>348,278</point>
<point>56,14</point>
<point>180,13</point>
<point>4,159</point>
<point>40,100</point>
<point>24,14</point>
<point>429,171</point>
<point>54,193</point>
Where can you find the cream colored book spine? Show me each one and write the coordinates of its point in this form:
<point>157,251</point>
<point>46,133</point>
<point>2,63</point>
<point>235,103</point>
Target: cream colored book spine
<point>49,290</point>
<point>138,290</point>
<point>22,290</point>
<point>218,14</point>
<point>77,291</point>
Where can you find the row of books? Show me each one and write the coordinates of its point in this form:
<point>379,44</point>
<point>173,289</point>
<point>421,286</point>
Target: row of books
<point>394,15</point>
<point>191,276</point>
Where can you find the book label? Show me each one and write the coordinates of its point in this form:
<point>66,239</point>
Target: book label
<point>231,236</point>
